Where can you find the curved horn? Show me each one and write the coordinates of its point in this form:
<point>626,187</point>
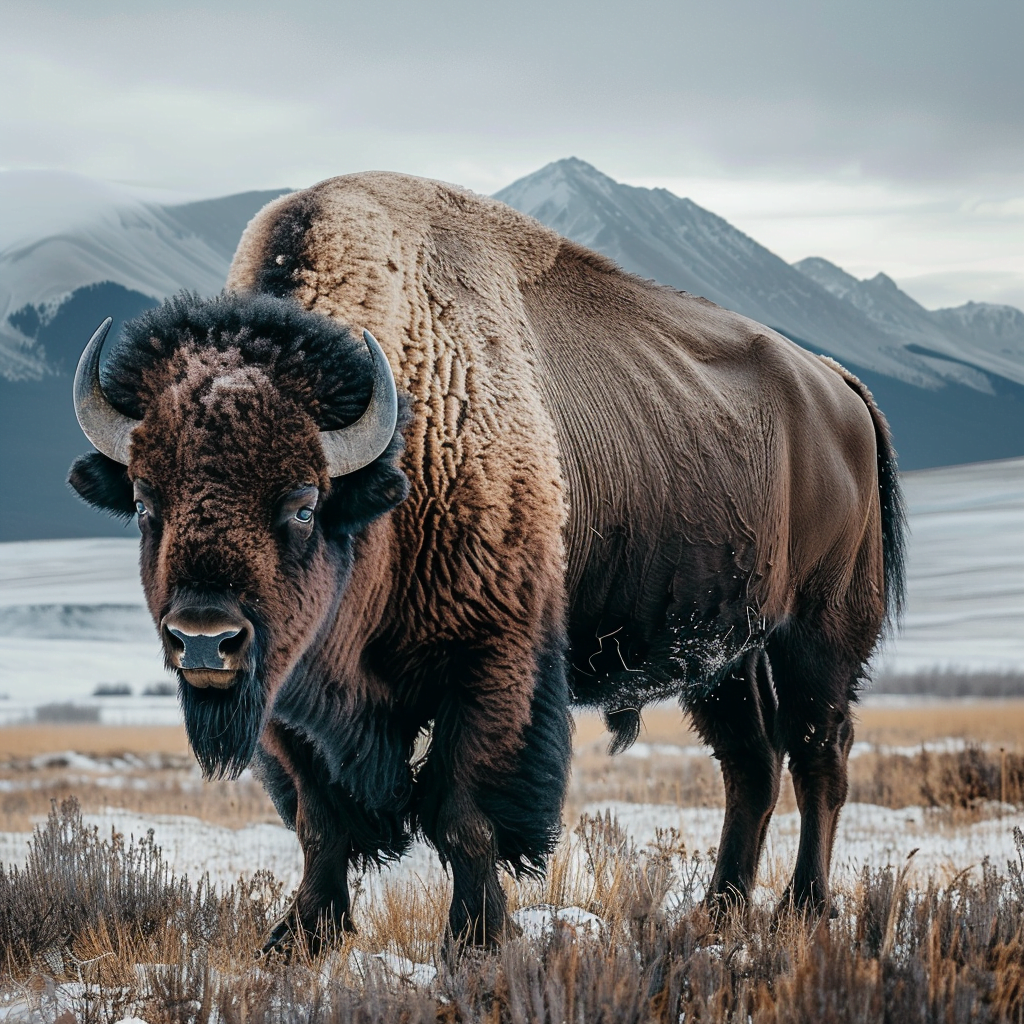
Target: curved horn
<point>357,445</point>
<point>108,429</point>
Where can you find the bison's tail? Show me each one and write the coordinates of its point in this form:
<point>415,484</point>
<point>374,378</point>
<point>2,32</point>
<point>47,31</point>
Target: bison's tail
<point>890,500</point>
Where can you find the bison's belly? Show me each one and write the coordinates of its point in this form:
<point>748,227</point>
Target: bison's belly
<point>661,622</point>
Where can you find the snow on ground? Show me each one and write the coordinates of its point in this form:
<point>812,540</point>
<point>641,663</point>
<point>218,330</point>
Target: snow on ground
<point>193,848</point>
<point>868,836</point>
<point>541,920</point>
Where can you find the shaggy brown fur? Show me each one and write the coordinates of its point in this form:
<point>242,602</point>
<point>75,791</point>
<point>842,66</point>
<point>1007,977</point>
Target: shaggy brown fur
<point>720,482</point>
<point>603,473</point>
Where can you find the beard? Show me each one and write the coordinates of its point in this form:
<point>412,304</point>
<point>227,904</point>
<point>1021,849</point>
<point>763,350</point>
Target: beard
<point>224,726</point>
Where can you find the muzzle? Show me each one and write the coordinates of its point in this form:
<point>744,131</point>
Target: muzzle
<point>208,643</point>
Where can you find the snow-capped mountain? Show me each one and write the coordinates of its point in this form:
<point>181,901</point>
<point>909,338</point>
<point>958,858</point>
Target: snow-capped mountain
<point>73,251</point>
<point>990,337</point>
<point>658,235</point>
<point>60,233</point>
<point>950,381</point>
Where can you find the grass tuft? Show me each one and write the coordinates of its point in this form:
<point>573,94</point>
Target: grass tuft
<point>100,929</point>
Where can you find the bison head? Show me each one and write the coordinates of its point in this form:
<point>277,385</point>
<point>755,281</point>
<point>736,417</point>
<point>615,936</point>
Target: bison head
<point>253,441</point>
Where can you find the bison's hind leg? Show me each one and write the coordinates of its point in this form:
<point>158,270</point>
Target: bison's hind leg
<point>738,719</point>
<point>816,677</point>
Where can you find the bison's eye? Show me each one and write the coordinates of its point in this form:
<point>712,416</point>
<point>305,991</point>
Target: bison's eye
<point>145,501</point>
<point>297,508</point>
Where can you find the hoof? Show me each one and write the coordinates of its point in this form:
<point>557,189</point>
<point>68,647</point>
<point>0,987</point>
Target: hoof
<point>281,940</point>
<point>724,906</point>
<point>808,908</point>
<point>291,934</point>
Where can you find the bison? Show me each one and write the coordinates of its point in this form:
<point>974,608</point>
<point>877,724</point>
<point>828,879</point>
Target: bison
<point>383,573</point>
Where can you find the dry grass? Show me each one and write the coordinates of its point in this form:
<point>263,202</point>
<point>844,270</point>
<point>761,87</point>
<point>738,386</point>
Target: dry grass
<point>999,722</point>
<point>97,931</point>
<point>25,741</point>
<point>155,774</point>
<point>994,722</point>
<point>94,930</point>
<point>968,784</point>
<point>985,721</point>
<point>100,931</point>
<point>155,784</point>
<point>990,768</point>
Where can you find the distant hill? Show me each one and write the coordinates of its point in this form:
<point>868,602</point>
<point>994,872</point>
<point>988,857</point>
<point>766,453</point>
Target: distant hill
<point>97,252</point>
<point>977,334</point>
<point>950,381</point>
<point>73,251</point>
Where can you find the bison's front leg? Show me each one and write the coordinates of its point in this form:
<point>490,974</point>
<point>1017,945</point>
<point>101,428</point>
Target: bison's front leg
<point>478,915</point>
<point>491,791</point>
<point>286,767</point>
<point>321,904</point>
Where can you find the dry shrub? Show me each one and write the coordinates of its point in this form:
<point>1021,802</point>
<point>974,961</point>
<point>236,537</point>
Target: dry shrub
<point>969,782</point>
<point>78,887</point>
<point>109,930</point>
<point>685,781</point>
<point>966,780</point>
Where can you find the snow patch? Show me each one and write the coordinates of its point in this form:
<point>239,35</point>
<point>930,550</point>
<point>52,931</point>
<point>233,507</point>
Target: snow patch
<point>540,921</point>
<point>412,973</point>
<point>868,836</point>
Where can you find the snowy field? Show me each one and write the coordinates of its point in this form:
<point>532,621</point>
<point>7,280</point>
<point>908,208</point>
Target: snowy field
<point>869,836</point>
<point>72,615</point>
<point>965,605</point>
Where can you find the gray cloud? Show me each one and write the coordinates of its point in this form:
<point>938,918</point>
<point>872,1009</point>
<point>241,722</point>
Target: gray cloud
<point>916,89</point>
<point>923,94</point>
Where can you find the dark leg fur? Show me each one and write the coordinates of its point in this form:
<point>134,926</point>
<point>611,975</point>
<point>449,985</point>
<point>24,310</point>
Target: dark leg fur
<point>815,684</point>
<point>285,766</point>
<point>333,831</point>
<point>513,819</point>
<point>738,719</point>
<point>321,904</point>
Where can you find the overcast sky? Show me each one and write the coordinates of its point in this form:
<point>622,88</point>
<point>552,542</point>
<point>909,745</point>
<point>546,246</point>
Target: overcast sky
<point>880,135</point>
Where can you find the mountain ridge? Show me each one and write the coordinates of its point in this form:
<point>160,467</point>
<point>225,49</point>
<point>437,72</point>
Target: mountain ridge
<point>947,379</point>
<point>107,235</point>
<point>695,250</point>
<point>997,347</point>
<point>951,382</point>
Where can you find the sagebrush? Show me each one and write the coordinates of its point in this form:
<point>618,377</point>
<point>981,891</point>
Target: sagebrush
<point>100,929</point>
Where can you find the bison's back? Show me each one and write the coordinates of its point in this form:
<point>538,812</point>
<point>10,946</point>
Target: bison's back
<point>707,466</point>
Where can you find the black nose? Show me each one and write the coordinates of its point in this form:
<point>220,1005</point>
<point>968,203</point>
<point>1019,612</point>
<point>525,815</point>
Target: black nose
<point>200,650</point>
<point>202,638</point>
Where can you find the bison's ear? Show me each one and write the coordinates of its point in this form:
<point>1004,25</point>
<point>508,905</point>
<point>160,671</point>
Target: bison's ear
<point>103,483</point>
<point>359,498</point>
